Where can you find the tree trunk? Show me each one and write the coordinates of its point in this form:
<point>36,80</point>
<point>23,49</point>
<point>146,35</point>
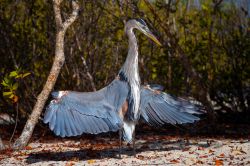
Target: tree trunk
<point>54,72</point>
<point>1,144</point>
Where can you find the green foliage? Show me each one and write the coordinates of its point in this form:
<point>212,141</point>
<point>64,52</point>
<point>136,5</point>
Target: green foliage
<point>10,84</point>
<point>215,41</point>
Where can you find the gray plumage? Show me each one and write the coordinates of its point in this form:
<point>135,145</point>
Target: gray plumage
<point>158,108</point>
<point>130,72</point>
<point>75,113</point>
<point>119,105</point>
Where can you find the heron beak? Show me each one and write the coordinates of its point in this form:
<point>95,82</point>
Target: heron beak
<point>152,37</point>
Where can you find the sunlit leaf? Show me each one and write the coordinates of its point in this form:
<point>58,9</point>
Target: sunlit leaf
<point>13,74</point>
<point>6,80</point>
<point>204,7</point>
<point>91,161</point>
<point>11,96</point>
<point>15,86</point>
<point>154,76</point>
<point>4,83</point>
<point>7,93</point>
<point>19,76</point>
<point>25,74</point>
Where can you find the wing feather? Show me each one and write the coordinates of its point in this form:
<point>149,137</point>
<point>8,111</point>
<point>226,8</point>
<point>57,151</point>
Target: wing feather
<point>52,122</point>
<point>73,113</point>
<point>158,108</point>
<point>67,124</point>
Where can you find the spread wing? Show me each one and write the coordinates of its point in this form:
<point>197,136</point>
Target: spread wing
<point>158,108</point>
<point>73,113</point>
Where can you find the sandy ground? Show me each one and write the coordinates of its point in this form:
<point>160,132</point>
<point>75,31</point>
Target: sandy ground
<point>153,150</point>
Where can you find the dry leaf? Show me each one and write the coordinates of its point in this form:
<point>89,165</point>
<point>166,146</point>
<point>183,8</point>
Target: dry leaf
<point>15,99</point>
<point>140,157</point>
<point>218,162</point>
<point>174,161</point>
<point>76,159</point>
<point>19,158</point>
<point>28,148</point>
<point>186,149</point>
<point>238,151</point>
<point>7,151</point>
<point>69,164</point>
<point>2,157</point>
<point>91,161</point>
<point>222,155</point>
<point>205,156</point>
<point>22,153</point>
<point>199,162</point>
<point>242,151</point>
<point>210,151</point>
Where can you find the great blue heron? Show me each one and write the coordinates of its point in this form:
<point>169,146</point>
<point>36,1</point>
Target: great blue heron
<point>119,105</point>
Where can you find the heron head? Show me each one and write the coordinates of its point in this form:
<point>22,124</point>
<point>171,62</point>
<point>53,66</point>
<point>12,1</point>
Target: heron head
<point>142,26</point>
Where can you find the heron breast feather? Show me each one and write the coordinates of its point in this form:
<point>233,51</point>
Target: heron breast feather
<point>124,109</point>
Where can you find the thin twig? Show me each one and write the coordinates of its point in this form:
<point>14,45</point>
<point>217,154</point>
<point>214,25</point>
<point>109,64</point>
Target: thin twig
<point>88,73</point>
<point>90,77</point>
<point>1,144</point>
<point>16,107</point>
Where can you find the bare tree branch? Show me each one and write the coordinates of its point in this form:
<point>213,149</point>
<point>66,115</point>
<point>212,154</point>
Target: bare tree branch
<point>54,72</point>
<point>88,73</point>
<point>90,77</point>
<point>1,144</point>
<point>72,17</point>
<point>57,11</point>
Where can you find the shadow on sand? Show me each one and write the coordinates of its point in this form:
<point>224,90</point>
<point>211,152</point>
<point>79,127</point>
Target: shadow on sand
<point>157,144</point>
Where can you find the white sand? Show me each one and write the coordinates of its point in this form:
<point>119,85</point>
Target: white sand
<point>153,151</point>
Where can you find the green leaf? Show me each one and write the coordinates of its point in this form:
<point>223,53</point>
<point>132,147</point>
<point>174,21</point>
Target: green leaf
<point>15,86</point>
<point>204,7</point>
<point>7,93</point>
<point>154,76</point>
<point>19,76</point>
<point>11,96</point>
<point>6,80</point>
<point>13,74</point>
<point>4,83</point>
<point>26,74</point>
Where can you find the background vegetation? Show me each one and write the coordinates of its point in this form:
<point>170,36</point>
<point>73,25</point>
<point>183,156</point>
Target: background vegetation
<point>205,53</point>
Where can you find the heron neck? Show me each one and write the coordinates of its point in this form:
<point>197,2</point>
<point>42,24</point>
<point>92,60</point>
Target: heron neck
<point>130,67</point>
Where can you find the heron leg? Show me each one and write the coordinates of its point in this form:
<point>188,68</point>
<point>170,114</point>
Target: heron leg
<point>134,153</point>
<point>120,143</point>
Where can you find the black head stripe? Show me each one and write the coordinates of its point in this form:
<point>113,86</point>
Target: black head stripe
<point>141,21</point>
